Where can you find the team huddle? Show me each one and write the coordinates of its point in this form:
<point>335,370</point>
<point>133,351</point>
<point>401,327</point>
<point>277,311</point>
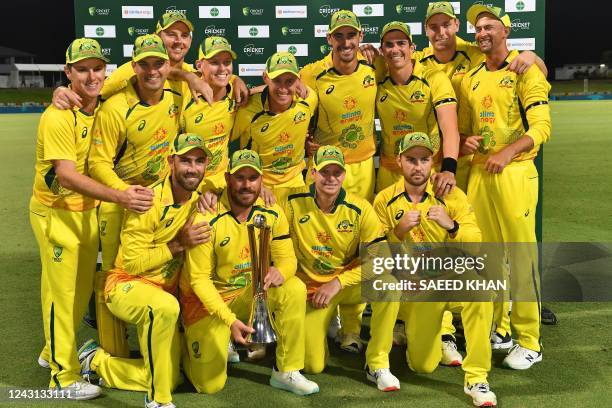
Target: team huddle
<point>163,166</point>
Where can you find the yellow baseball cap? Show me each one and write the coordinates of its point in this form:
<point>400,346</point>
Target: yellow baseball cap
<point>326,155</point>
<point>344,18</point>
<point>212,46</point>
<point>477,9</point>
<point>188,141</point>
<point>245,158</point>
<point>171,17</point>
<point>415,139</point>
<point>83,48</point>
<point>149,45</point>
<point>280,63</point>
<point>440,7</point>
<point>396,25</point>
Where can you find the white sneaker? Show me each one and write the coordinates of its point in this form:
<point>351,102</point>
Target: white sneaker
<point>256,352</point>
<point>293,381</point>
<point>499,342</point>
<point>43,363</point>
<point>450,355</point>
<point>85,354</point>
<point>80,390</point>
<point>399,334</point>
<point>481,394</point>
<point>232,355</point>
<point>521,358</point>
<point>155,404</point>
<point>334,326</point>
<point>350,342</point>
<point>385,381</point>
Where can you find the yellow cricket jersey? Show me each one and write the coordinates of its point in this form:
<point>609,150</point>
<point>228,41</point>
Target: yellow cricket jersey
<point>411,107</point>
<point>119,79</point>
<point>327,244</point>
<point>278,138</point>
<point>220,270</point>
<point>467,55</point>
<point>346,107</point>
<point>502,106</point>
<point>144,254</point>
<point>62,135</point>
<point>131,139</point>
<point>393,202</point>
<point>214,123</point>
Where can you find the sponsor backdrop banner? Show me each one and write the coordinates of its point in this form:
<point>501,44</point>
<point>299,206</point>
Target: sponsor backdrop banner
<point>257,31</point>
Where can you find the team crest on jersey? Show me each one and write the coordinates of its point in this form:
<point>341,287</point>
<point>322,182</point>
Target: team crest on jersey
<point>487,101</point>
<point>195,347</point>
<point>173,110</point>
<point>368,81</point>
<point>142,125</point>
<point>506,82</point>
<point>351,136</point>
<point>57,253</point>
<point>283,137</point>
<point>218,128</point>
<point>400,115</point>
<point>299,117</point>
<point>417,97</point>
<point>199,118</point>
<point>349,103</point>
<point>323,237</point>
<point>345,226</point>
<point>244,253</point>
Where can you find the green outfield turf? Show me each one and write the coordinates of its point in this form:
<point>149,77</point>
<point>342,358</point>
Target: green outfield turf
<point>575,372</point>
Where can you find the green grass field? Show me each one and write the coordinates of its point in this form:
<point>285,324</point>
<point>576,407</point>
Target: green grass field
<point>575,372</point>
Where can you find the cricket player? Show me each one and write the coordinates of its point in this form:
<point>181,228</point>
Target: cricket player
<point>414,99</point>
<point>63,216</point>
<point>142,287</point>
<point>213,122</point>
<point>216,294</point>
<point>504,118</point>
<point>411,212</point>
<point>328,225</point>
<point>132,138</point>
<point>176,31</point>
<point>275,125</point>
<point>346,92</point>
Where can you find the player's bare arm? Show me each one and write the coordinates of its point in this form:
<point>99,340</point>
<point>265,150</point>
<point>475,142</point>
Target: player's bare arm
<point>325,293</point>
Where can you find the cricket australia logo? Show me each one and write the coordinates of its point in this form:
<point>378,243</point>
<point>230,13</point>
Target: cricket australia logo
<point>351,136</point>
<point>57,253</point>
<point>299,117</point>
<point>506,82</point>
<point>417,97</point>
<point>345,226</point>
<point>368,81</point>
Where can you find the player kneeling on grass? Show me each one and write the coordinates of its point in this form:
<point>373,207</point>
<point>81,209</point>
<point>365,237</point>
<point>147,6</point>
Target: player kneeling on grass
<point>63,216</point>
<point>412,213</point>
<point>216,294</point>
<point>141,289</point>
<point>328,226</point>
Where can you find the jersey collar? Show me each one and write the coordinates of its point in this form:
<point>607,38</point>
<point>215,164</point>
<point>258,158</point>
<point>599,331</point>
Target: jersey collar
<point>401,190</point>
<point>227,209</point>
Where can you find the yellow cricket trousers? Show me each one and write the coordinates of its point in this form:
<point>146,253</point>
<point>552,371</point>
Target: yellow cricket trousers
<point>505,208</point>
<point>155,314</point>
<point>205,352</point>
<point>68,244</point>
<point>423,320</point>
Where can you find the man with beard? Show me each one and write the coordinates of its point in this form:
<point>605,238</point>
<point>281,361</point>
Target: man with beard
<point>504,117</point>
<point>142,288</point>
<point>410,212</point>
<point>216,293</point>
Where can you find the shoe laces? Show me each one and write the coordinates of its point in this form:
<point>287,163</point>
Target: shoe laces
<point>381,371</point>
<point>450,344</point>
<point>481,387</point>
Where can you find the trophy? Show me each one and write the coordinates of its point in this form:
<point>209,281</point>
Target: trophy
<point>260,318</point>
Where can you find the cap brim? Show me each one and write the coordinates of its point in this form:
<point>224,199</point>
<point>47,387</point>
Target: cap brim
<point>75,60</point>
<point>189,148</point>
<point>413,146</point>
<point>280,72</point>
<point>322,165</point>
<point>395,29</point>
<point>186,22</point>
<point>439,12</point>
<point>241,166</point>
<point>345,25</point>
<point>478,9</point>
<point>215,52</point>
<point>150,54</point>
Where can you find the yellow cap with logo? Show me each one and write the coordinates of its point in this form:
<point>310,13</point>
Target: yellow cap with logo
<point>280,63</point>
<point>415,139</point>
<point>212,46</point>
<point>344,18</point>
<point>245,158</point>
<point>440,7</point>
<point>327,155</point>
<point>149,45</point>
<point>396,25</point>
<point>171,17</point>
<point>83,48</point>
<point>477,9</point>
<point>185,142</point>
